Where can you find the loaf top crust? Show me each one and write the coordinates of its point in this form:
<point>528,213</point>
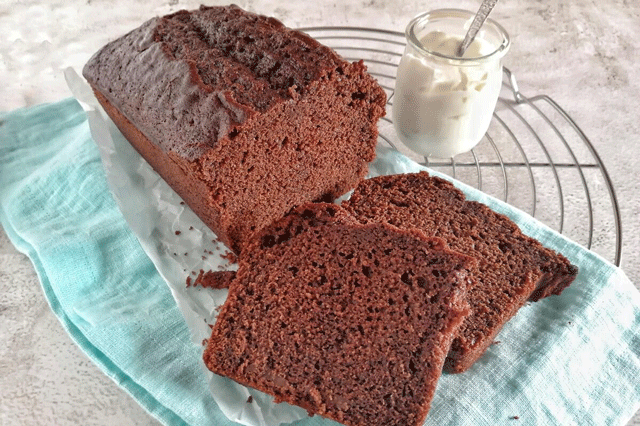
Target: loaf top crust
<point>191,78</point>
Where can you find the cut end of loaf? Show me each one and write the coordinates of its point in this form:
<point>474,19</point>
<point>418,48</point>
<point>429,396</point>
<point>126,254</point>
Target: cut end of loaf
<point>243,117</point>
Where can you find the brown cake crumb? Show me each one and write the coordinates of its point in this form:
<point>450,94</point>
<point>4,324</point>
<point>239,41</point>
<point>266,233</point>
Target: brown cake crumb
<point>250,399</point>
<point>178,232</point>
<point>230,257</point>
<point>349,321</point>
<point>512,267</point>
<point>214,279</point>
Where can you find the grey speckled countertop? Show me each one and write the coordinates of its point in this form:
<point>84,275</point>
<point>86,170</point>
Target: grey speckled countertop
<point>584,53</point>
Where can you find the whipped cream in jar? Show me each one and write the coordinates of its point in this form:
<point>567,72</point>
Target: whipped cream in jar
<point>442,103</point>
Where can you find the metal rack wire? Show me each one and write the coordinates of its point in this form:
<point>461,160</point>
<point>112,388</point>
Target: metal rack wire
<point>534,156</point>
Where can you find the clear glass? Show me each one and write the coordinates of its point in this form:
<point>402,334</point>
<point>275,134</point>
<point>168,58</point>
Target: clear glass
<point>443,104</point>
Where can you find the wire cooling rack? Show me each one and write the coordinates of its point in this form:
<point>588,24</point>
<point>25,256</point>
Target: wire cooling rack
<point>534,156</point>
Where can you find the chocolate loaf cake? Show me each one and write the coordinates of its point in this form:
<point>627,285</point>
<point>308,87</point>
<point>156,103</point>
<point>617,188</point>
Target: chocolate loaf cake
<point>242,116</point>
<point>512,267</point>
<point>352,322</point>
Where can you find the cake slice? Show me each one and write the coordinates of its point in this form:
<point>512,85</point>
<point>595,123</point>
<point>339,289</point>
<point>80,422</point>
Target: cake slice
<point>349,321</point>
<point>242,116</point>
<point>512,267</point>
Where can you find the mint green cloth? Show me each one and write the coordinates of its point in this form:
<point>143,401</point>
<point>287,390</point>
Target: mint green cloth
<point>567,360</point>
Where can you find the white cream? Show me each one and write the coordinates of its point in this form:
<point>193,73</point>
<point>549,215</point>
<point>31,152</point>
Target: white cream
<point>443,107</point>
<point>446,44</point>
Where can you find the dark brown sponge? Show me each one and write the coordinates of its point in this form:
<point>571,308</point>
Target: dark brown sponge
<point>242,116</point>
<point>512,267</point>
<point>349,321</point>
<point>212,279</point>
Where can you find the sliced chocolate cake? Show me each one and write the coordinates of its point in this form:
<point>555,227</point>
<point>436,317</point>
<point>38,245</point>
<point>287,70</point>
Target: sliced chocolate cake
<point>349,321</point>
<point>512,267</point>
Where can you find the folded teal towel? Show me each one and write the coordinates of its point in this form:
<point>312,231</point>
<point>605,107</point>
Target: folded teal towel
<point>567,360</point>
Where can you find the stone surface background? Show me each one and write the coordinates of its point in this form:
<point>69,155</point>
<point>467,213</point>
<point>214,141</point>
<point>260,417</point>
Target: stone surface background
<point>584,53</point>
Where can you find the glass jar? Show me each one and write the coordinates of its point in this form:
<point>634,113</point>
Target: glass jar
<point>442,103</point>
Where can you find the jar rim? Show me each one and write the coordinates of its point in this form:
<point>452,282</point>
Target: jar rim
<point>411,37</point>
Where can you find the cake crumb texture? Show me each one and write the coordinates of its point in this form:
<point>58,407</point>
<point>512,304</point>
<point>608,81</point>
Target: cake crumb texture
<point>512,268</point>
<point>349,321</point>
<point>212,279</point>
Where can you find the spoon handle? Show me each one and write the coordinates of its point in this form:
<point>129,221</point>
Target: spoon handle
<point>478,20</point>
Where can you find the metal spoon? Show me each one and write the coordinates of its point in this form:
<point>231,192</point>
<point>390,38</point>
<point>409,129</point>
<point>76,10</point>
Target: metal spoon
<point>478,20</point>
